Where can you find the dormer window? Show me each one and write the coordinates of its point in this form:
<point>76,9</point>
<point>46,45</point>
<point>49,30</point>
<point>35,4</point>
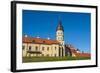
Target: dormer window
<point>43,41</point>
<point>33,41</point>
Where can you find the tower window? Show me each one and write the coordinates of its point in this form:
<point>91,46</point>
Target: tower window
<point>58,38</point>
<point>57,33</point>
<point>61,33</point>
<point>61,38</point>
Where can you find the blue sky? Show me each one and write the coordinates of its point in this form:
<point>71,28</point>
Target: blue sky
<point>43,24</point>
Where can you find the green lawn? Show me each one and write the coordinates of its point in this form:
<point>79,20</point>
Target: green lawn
<point>45,59</point>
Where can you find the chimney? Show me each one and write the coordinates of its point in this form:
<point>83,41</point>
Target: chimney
<point>48,38</point>
<point>26,35</point>
<point>37,37</point>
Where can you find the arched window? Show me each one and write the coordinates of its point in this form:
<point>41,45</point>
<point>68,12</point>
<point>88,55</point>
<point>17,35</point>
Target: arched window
<point>58,38</point>
<point>58,33</point>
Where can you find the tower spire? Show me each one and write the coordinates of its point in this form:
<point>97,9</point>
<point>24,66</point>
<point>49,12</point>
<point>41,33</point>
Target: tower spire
<point>60,27</point>
<point>60,33</point>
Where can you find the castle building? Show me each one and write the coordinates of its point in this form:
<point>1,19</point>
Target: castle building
<point>44,47</point>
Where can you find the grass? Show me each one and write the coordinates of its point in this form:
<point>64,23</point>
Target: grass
<point>78,58</point>
<point>46,59</point>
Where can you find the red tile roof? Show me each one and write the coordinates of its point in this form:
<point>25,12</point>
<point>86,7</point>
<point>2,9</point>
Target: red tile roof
<point>80,54</point>
<point>73,50</point>
<point>83,54</point>
<point>39,40</point>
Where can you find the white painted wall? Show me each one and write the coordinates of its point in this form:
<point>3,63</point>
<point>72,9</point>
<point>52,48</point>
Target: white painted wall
<point>5,36</point>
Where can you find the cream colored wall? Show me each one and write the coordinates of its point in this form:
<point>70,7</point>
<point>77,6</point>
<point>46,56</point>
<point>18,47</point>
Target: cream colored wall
<point>45,52</point>
<point>52,52</point>
<point>62,47</point>
<point>73,55</point>
<point>63,50</point>
<point>55,52</point>
<point>33,49</point>
<point>24,52</point>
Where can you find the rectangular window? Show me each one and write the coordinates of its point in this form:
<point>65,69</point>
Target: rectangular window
<point>42,54</point>
<point>55,48</point>
<point>55,55</point>
<point>47,55</point>
<point>30,48</point>
<point>36,48</point>
<point>42,48</point>
<point>23,47</point>
<point>47,48</point>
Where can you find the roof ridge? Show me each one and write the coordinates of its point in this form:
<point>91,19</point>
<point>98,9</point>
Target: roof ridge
<point>39,40</point>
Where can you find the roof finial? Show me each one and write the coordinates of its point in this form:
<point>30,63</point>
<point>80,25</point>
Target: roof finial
<point>26,35</point>
<point>38,36</point>
<point>59,20</point>
<point>48,38</point>
<point>60,27</point>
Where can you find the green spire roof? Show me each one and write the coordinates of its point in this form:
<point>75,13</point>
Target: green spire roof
<point>60,27</point>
